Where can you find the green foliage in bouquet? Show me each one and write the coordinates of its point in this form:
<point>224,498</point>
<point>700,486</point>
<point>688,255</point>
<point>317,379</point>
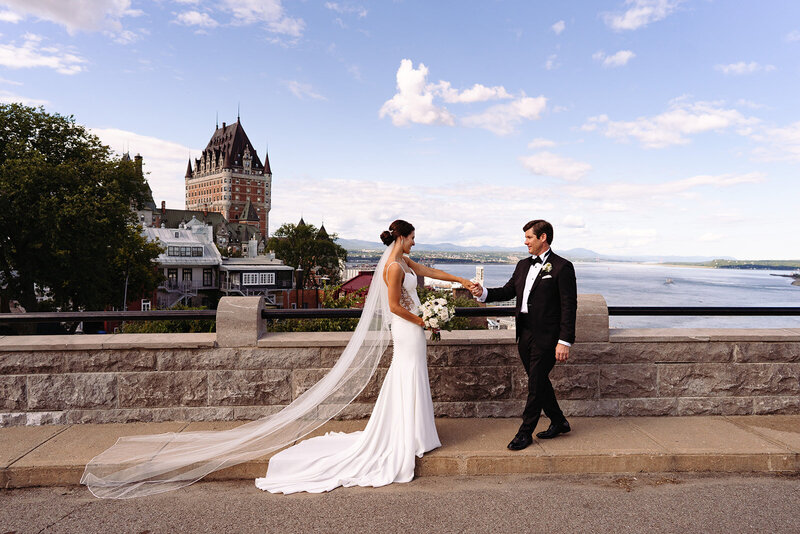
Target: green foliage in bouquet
<point>458,323</point>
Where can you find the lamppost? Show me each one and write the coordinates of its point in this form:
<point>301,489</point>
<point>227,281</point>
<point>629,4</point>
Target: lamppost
<point>298,286</point>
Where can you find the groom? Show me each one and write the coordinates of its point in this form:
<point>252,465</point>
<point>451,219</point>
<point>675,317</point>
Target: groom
<point>547,300</point>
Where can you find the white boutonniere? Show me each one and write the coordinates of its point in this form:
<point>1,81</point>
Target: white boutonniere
<point>547,267</point>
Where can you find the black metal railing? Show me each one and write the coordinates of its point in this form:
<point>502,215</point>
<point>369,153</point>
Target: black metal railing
<point>507,311</point>
<point>342,313</point>
<point>71,317</point>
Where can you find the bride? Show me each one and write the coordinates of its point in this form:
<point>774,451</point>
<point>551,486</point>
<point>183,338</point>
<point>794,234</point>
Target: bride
<point>400,428</point>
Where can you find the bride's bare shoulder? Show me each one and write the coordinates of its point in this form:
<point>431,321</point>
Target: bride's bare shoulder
<point>390,268</point>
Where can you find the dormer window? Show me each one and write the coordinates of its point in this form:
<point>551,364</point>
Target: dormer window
<point>177,235</point>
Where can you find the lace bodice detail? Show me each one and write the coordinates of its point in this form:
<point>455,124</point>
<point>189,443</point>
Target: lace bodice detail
<point>408,291</point>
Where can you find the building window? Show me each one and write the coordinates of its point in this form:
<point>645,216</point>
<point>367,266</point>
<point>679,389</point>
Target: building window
<point>172,277</point>
<point>145,304</point>
<point>177,234</point>
<point>208,277</point>
<point>187,275</point>
<point>266,279</point>
<point>197,252</point>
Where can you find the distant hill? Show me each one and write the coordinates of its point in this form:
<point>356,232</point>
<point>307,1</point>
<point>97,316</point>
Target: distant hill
<point>573,253</point>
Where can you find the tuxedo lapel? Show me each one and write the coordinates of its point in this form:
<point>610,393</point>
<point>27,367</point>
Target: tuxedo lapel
<point>541,271</point>
<point>521,280</point>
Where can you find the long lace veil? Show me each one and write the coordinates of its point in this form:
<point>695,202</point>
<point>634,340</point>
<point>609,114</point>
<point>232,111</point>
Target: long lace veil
<point>144,465</point>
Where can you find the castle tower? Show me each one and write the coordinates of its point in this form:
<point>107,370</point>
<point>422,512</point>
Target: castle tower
<point>229,178</point>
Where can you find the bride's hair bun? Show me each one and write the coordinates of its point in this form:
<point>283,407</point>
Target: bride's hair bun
<point>398,228</point>
<point>387,238</point>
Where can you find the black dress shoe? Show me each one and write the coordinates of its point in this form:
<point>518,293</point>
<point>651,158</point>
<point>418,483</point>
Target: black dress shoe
<point>520,441</point>
<point>554,430</point>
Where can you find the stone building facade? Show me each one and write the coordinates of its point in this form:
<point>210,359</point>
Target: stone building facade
<point>229,178</point>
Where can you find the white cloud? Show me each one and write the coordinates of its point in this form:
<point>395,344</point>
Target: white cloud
<point>437,212</point>
<point>781,143</point>
<point>573,221</point>
<point>540,142</point>
<point>31,54</point>
<point>9,82</point>
<point>123,37</point>
<point>619,190</point>
<point>303,90</point>
<point>7,97</point>
<point>640,13</point>
<point>164,160</point>
<point>551,64</point>
<point>195,18</point>
<point>617,60</point>
<point>502,119</point>
<point>76,15</point>
<point>743,68</point>
<point>627,238</point>
<point>477,93</point>
<point>413,102</point>
<point>270,12</point>
<point>709,237</point>
<point>793,36</point>
<point>10,16</point>
<point>347,9</point>
<point>549,164</point>
<point>673,126</point>
<point>558,27</point>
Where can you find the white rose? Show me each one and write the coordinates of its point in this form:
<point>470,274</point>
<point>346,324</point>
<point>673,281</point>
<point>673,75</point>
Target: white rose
<point>433,323</point>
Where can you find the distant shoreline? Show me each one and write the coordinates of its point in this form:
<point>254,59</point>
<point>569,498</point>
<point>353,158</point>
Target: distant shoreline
<point>716,264</point>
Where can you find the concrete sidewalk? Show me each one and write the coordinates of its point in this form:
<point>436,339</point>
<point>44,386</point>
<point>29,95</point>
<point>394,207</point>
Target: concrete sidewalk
<point>56,455</point>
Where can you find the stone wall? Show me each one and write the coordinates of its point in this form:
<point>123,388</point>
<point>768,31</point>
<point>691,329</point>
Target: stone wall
<point>117,378</point>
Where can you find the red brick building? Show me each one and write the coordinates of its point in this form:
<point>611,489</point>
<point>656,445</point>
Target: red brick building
<point>229,178</point>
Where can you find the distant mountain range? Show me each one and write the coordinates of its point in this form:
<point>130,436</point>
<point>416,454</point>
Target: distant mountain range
<point>573,253</point>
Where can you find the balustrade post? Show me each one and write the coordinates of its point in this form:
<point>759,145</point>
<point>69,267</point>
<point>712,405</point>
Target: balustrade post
<point>591,323</point>
<point>239,322</point>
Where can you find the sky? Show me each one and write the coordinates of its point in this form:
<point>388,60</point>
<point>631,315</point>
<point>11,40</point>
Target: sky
<point>653,127</point>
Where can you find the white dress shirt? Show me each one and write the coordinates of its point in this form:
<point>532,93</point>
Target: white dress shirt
<point>533,272</point>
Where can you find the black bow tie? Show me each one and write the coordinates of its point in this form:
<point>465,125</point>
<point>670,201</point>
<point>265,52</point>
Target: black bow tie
<point>535,260</point>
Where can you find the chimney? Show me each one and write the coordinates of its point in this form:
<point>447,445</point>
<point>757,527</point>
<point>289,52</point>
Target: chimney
<point>164,208</point>
<point>205,210</point>
<point>223,126</point>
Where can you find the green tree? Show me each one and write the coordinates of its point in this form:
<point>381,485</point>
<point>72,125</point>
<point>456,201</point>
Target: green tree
<point>65,212</point>
<point>303,247</point>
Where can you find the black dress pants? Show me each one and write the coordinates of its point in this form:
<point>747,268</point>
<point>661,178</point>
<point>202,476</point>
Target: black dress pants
<point>538,364</point>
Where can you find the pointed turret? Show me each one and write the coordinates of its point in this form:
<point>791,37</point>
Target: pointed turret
<point>267,168</point>
<point>249,212</point>
<point>301,223</point>
<point>322,234</point>
<point>189,169</point>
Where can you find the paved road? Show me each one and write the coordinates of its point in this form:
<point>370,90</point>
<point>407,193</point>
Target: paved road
<point>512,504</point>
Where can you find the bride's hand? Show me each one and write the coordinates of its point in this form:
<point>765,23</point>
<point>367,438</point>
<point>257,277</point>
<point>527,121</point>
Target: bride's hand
<point>469,284</point>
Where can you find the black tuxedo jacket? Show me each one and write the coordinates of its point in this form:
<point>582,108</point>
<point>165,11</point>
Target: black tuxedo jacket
<point>552,304</point>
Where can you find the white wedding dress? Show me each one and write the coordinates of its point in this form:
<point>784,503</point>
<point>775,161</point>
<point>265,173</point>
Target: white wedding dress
<point>400,428</point>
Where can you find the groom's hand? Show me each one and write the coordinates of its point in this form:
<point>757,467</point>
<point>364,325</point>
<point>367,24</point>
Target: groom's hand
<point>477,290</point>
<point>562,352</point>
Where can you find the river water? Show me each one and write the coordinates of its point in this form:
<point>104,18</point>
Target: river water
<point>637,284</point>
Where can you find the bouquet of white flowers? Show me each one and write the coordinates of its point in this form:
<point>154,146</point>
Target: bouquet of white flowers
<point>437,315</point>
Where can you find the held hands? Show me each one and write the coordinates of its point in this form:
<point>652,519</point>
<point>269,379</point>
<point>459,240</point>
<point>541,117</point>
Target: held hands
<point>469,284</point>
<point>476,289</point>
